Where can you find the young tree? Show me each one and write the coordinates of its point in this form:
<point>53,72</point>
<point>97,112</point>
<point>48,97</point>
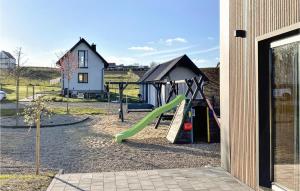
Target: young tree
<point>32,115</point>
<point>68,65</point>
<point>16,72</point>
<point>152,64</point>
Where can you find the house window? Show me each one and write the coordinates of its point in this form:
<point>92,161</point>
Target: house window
<point>83,78</point>
<point>82,59</point>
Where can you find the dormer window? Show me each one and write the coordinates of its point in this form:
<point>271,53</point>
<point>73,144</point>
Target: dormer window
<point>82,59</point>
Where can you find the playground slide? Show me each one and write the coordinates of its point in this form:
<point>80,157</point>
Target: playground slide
<point>148,119</point>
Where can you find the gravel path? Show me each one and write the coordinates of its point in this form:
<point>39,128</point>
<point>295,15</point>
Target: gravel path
<point>54,120</point>
<point>89,147</point>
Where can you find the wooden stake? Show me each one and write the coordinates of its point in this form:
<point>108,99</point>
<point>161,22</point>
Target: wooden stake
<point>37,144</point>
<point>208,125</point>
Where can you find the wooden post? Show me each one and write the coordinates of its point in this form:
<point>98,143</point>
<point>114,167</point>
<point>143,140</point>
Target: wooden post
<point>26,90</point>
<point>33,92</point>
<point>121,116</point>
<point>37,143</point>
<point>121,89</point>
<point>208,125</point>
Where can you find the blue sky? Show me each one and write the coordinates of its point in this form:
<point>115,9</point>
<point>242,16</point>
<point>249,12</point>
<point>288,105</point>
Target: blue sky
<point>125,31</point>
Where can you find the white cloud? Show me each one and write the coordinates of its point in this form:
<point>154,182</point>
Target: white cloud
<point>204,50</point>
<point>198,61</point>
<point>170,41</point>
<point>121,60</point>
<point>142,48</point>
<point>167,51</point>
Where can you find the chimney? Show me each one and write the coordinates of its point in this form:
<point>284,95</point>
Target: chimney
<point>94,47</point>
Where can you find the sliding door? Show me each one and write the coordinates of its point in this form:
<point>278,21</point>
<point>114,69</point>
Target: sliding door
<point>284,114</point>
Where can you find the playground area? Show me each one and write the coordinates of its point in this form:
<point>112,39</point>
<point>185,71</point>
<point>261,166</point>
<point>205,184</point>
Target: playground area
<point>90,147</point>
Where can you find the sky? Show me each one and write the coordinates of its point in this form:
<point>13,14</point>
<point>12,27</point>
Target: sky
<point>125,31</point>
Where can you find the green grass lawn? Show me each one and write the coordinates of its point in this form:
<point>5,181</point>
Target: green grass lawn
<point>25,182</point>
<point>40,78</point>
<point>26,91</point>
<point>132,90</point>
<point>61,111</point>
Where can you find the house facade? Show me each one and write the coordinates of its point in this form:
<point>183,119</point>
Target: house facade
<point>259,85</point>
<point>88,77</point>
<point>7,60</point>
<point>180,68</point>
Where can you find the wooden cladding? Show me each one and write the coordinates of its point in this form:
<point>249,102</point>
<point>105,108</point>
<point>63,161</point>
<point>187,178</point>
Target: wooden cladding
<point>257,17</point>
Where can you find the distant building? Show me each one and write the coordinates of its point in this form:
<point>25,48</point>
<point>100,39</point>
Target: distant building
<point>7,60</point>
<point>112,65</point>
<point>89,76</point>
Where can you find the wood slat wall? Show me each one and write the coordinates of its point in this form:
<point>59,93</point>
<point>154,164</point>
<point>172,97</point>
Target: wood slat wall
<point>257,17</point>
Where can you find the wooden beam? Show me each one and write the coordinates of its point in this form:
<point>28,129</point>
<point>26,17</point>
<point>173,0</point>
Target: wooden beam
<point>173,90</point>
<point>122,86</point>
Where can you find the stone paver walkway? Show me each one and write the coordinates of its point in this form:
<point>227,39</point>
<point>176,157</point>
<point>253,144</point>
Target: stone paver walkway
<point>206,178</point>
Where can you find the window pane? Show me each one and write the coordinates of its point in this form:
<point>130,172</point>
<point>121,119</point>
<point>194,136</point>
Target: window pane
<point>285,114</point>
<point>81,58</point>
<point>80,76</point>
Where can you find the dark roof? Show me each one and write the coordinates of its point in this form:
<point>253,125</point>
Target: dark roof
<point>8,54</point>
<point>148,73</point>
<point>158,72</point>
<point>82,40</point>
<point>212,88</point>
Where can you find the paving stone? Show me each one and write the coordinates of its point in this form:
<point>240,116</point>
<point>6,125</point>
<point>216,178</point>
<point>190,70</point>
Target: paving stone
<point>211,179</point>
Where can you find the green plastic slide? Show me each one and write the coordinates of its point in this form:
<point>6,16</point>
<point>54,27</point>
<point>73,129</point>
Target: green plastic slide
<point>148,119</point>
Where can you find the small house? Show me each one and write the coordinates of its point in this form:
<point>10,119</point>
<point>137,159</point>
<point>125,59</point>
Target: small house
<point>88,77</point>
<point>180,68</point>
<point>7,60</point>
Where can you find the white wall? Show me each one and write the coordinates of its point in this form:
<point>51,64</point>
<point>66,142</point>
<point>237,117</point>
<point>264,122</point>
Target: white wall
<point>181,73</point>
<point>94,70</point>
<point>178,73</point>
<point>6,62</point>
<point>151,95</point>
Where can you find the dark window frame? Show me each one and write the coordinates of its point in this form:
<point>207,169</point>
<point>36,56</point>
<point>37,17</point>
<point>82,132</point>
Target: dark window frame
<point>85,54</point>
<point>87,78</point>
<point>265,173</point>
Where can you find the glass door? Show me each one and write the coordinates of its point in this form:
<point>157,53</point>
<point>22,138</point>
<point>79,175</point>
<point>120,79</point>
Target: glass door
<point>285,113</point>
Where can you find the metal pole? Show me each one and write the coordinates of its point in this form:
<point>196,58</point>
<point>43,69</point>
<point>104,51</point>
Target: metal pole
<point>121,102</point>
<point>126,101</point>
<point>33,92</point>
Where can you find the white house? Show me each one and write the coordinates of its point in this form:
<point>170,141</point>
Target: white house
<point>180,68</point>
<point>88,77</point>
<point>7,60</point>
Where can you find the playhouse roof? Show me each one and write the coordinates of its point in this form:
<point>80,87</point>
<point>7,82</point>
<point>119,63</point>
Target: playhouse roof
<point>158,72</point>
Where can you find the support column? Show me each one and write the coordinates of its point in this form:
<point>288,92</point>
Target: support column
<point>224,84</point>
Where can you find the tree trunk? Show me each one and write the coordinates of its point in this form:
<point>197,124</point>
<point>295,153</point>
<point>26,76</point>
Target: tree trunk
<point>37,144</point>
<point>17,101</point>
<point>68,92</point>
